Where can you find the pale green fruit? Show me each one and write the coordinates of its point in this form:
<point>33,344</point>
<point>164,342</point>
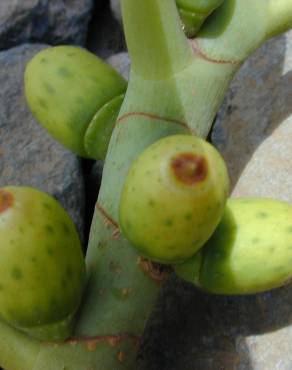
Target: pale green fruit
<point>250,251</point>
<point>42,265</point>
<point>173,198</point>
<point>76,97</point>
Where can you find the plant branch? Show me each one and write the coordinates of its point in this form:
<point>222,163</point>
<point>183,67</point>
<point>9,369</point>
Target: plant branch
<point>156,42</point>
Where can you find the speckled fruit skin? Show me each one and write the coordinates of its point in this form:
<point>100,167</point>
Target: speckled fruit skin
<point>42,265</point>
<point>173,198</point>
<point>65,87</point>
<point>250,251</point>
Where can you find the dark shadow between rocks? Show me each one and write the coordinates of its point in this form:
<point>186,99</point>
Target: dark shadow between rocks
<point>105,36</point>
<point>188,332</point>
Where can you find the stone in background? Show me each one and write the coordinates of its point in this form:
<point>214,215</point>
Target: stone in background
<point>254,134</point>
<point>28,155</point>
<point>49,21</point>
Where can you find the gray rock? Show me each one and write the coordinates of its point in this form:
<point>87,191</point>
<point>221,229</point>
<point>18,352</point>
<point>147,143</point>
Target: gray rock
<point>116,9</point>
<point>254,134</point>
<point>28,154</point>
<point>121,62</point>
<point>49,21</point>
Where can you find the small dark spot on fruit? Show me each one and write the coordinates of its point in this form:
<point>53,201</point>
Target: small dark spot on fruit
<point>64,72</point>
<point>272,249</point>
<point>1,287</point>
<point>49,229</point>
<point>66,228</point>
<point>43,103</point>
<point>290,247</point>
<point>79,100</point>
<point>21,229</point>
<point>50,251</point>
<point>46,205</point>
<point>151,203</point>
<point>33,259</point>
<point>188,216</point>
<point>69,271</point>
<point>133,188</point>
<point>262,214</point>
<point>49,88</point>
<point>168,222</point>
<point>16,273</point>
<point>289,229</point>
<point>64,282</point>
<point>43,60</point>
<point>171,247</point>
<point>255,240</point>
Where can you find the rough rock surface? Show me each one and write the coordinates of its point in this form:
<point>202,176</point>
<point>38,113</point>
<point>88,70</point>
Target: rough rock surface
<point>28,155</point>
<point>116,9</point>
<point>121,62</point>
<point>254,134</point>
<point>49,21</point>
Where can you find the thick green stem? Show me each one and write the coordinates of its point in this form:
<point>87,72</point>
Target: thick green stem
<point>155,39</point>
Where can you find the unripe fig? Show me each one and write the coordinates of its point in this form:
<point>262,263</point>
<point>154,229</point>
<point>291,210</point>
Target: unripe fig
<point>42,265</point>
<point>76,97</point>
<point>173,198</point>
<point>194,13</point>
<point>250,251</point>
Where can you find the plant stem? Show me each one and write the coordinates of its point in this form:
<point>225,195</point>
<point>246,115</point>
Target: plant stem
<point>162,49</point>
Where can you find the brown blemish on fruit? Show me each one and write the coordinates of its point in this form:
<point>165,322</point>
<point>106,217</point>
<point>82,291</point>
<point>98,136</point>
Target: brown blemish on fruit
<point>159,273</point>
<point>6,200</point>
<point>189,168</point>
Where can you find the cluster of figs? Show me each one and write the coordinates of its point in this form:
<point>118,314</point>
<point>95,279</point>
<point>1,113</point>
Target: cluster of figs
<point>174,207</point>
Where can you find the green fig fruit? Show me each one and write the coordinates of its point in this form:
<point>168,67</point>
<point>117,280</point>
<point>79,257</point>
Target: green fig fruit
<point>70,91</point>
<point>173,198</point>
<point>42,264</point>
<point>250,251</point>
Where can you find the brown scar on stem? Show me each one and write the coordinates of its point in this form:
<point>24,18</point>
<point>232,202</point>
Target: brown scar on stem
<point>155,117</point>
<point>121,356</point>
<point>199,52</point>
<point>91,343</point>
<point>6,200</point>
<point>109,221</point>
<point>189,168</point>
<point>159,273</point>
